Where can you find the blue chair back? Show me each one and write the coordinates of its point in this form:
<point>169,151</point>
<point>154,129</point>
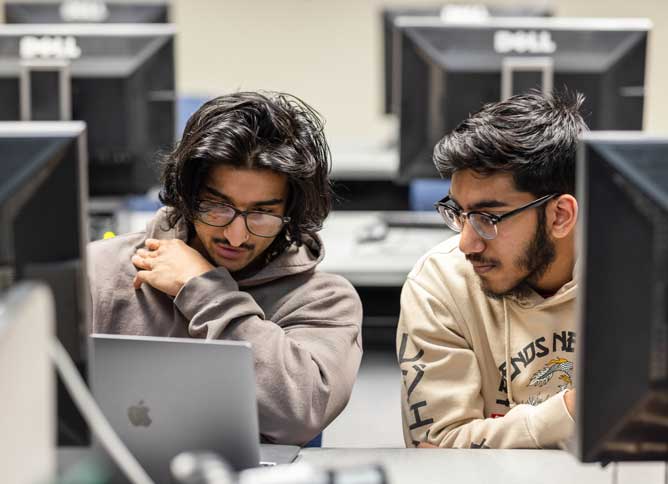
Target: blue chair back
<point>423,193</point>
<point>185,107</point>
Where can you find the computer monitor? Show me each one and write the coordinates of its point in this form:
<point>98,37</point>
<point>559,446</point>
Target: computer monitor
<point>27,407</point>
<point>391,35</point>
<point>119,79</point>
<point>43,233</point>
<point>450,69</point>
<point>86,11</point>
<point>622,374</point>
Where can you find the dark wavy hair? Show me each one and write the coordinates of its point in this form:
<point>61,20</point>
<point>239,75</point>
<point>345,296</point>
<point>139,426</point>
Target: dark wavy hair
<point>533,136</point>
<point>258,130</point>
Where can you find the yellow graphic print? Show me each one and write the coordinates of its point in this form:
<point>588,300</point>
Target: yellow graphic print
<point>555,366</point>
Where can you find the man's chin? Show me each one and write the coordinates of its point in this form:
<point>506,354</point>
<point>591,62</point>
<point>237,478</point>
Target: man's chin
<point>517,289</point>
<point>490,291</point>
<point>230,265</point>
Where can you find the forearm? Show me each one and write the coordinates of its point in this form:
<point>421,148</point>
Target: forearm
<point>524,426</point>
<point>305,368</point>
<point>302,382</point>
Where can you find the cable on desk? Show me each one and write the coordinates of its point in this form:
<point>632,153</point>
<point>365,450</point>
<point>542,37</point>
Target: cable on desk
<point>94,417</point>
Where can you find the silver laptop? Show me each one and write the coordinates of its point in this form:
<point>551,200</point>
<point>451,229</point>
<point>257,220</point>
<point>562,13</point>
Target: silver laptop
<point>164,396</point>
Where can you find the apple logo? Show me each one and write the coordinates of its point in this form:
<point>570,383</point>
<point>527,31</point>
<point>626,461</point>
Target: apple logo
<point>138,415</point>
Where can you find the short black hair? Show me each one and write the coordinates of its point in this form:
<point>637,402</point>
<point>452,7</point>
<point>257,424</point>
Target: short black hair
<point>255,130</point>
<point>533,136</point>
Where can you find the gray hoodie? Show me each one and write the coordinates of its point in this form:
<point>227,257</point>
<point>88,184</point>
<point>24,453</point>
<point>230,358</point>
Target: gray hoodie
<point>304,325</point>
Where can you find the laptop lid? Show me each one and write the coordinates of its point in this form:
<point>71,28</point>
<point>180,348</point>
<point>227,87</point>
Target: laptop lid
<point>164,396</point>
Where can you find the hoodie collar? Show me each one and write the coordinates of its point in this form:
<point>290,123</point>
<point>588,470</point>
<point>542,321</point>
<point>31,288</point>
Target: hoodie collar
<point>565,293</point>
<point>294,260</point>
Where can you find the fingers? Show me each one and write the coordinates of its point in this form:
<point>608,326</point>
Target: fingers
<point>141,262</point>
<point>426,445</point>
<point>146,253</point>
<point>152,244</point>
<point>140,278</point>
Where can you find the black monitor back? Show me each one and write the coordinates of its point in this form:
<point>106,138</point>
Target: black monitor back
<point>622,381</point>
<point>122,86</point>
<point>43,233</point>
<point>391,35</point>
<point>451,70</point>
<point>78,11</point>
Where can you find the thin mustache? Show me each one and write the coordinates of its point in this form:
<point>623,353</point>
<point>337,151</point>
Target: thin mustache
<point>480,259</point>
<point>227,243</point>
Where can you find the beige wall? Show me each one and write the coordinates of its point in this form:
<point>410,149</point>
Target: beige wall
<point>328,52</point>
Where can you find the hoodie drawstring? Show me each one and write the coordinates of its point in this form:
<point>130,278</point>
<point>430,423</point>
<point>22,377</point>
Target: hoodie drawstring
<point>507,346</point>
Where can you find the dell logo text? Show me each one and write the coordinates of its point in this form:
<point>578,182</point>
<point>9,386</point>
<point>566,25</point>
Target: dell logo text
<point>524,42</point>
<point>84,11</point>
<point>48,47</point>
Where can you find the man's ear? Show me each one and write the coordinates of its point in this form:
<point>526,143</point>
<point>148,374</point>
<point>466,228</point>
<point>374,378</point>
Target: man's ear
<point>562,215</point>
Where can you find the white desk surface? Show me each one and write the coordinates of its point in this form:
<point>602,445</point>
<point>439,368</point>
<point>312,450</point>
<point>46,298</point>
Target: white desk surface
<point>381,263</point>
<point>470,466</point>
<point>459,466</point>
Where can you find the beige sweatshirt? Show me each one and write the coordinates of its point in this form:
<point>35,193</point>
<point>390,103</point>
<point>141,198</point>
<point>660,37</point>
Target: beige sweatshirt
<point>457,348</point>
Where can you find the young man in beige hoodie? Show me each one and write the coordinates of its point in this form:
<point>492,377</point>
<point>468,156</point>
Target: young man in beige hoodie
<point>233,255</point>
<point>486,337</point>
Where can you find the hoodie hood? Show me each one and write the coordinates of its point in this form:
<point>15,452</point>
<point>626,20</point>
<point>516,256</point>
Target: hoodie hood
<point>294,260</point>
<point>534,301</point>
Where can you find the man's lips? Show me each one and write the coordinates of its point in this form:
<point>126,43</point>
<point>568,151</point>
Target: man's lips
<point>483,268</point>
<point>228,252</point>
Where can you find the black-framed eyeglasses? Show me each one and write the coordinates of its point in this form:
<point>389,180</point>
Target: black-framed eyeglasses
<point>262,224</point>
<point>483,223</point>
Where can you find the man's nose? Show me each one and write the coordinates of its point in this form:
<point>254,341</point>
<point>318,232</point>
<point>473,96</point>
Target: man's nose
<point>236,233</point>
<point>470,241</point>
